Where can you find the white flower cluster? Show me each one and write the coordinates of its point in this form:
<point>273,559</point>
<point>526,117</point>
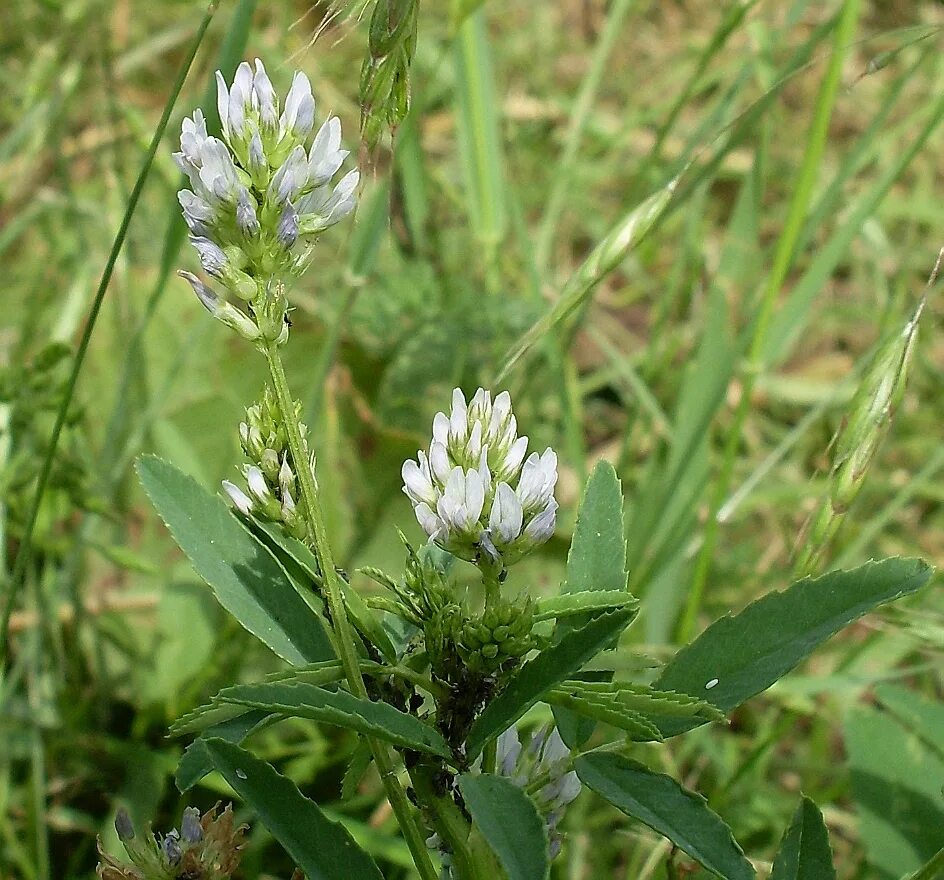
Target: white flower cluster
<point>258,196</point>
<point>546,753</point>
<point>474,490</point>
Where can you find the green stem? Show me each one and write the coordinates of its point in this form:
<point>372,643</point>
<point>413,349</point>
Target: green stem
<point>449,823</point>
<point>344,635</point>
<point>783,257</point>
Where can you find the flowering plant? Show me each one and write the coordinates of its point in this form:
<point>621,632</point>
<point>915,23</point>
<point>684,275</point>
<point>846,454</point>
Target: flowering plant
<point>439,680</point>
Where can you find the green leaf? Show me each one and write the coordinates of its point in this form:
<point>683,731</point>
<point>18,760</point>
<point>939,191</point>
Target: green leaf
<point>342,709</point>
<point>478,129</point>
<point>537,676</point>
<point>804,851</point>
<point>597,557</point>
<point>592,708</point>
<point>640,698</point>
<point>583,604</point>
<point>661,803</point>
<point>509,822</point>
<point>245,577</point>
<point>203,717</point>
<point>896,783</point>
<point>740,656</point>
<point>196,763</point>
<point>596,562</point>
<point>323,849</point>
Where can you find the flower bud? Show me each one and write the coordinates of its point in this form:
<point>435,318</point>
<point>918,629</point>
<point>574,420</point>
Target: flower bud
<point>222,310</point>
<point>124,827</point>
<point>190,828</point>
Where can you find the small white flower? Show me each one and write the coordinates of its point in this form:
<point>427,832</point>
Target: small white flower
<point>258,487</point>
<point>264,99</point>
<point>241,501</point>
<point>326,154</point>
<point>417,480</point>
<point>298,117</point>
<point>211,254</point>
<point>504,522</point>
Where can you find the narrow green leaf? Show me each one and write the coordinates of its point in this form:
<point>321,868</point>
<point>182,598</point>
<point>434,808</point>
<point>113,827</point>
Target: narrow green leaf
<point>675,812</point>
<point>195,762</point>
<point>342,709</point>
<point>597,557</point>
<point>645,699</point>
<point>478,129</point>
<point>804,851</point>
<point>509,822</point>
<point>203,717</point>
<point>245,577</point>
<point>552,665</point>
<point>583,604</point>
<point>596,561</point>
<point>631,722</point>
<point>323,849</point>
<point>740,656</point>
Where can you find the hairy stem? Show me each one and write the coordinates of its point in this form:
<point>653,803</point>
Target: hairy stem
<point>344,635</point>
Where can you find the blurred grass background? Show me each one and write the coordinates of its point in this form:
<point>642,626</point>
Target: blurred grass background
<point>534,129</point>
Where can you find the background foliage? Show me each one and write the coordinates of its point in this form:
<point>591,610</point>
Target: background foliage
<point>804,223</point>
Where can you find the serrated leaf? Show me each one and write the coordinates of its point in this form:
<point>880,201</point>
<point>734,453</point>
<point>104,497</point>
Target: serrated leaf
<point>633,723</point>
<point>741,655</point>
<point>597,557</point>
<point>343,709</point>
<point>647,700</point>
<point>217,710</point>
<point>804,851</point>
<point>195,762</point>
<point>665,806</point>
<point>356,768</point>
<point>510,824</point>
<point>537,676</point>
<point>244,576</point>
<point>202,717</point>
<point>596,562</point>
<point>583,603</point>
<point>323,849</point>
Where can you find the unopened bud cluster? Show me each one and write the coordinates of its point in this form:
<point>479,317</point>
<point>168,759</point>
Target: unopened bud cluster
<point>500,637</point>
<point>271,477</point>
<point>260,195</point>
<point>546,754</point>
<point>459,641</point>
<point>206,847</point>
<point>474,492</point>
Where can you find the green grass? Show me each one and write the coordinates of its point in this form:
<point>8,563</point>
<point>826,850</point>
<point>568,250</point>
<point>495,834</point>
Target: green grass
<point>712,364</point>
